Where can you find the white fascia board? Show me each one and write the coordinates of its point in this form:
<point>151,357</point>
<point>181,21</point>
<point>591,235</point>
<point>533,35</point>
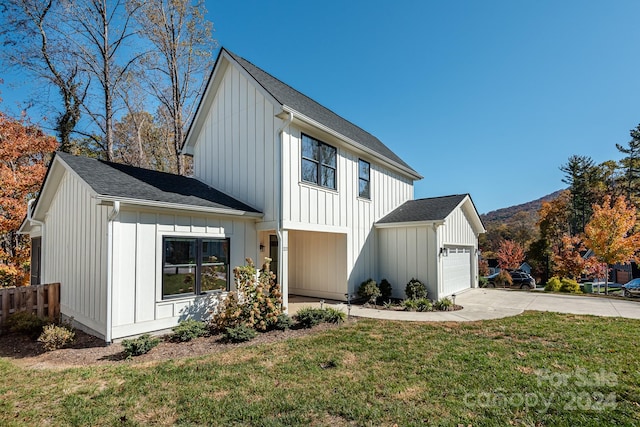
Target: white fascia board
<point>409,224</point>
<point>351,142</point>
<point>180,207</point>
<point>477,225</point>
<point>52,184</point>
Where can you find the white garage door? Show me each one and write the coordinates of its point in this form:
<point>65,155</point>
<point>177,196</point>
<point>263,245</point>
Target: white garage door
<point>456,271</point>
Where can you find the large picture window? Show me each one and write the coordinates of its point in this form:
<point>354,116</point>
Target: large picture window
<point>194,266</point>
<point>364,179</point>
<point>318,162</point>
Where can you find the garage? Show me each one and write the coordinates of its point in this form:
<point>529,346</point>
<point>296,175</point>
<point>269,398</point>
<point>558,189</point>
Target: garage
<point>434,240</point>
<point>456,270</point>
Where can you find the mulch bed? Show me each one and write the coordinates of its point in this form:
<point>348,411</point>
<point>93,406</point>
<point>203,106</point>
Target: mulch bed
<point>88,350</point>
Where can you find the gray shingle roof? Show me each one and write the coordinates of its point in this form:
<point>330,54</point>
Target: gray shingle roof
<point>286,95</point>
<point>431,209</point>
<point>124,181</point>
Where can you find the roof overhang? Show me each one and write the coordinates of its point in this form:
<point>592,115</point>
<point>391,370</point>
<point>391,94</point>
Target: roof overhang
<point>177,206</point>
<point>469,208</point>
<point>299,117</point>
<point>409,224</point>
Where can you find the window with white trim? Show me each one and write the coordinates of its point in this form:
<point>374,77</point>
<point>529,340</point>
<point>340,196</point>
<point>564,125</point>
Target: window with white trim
<point>194,266</point>
<point>318,162</point>
<point>364,179</point>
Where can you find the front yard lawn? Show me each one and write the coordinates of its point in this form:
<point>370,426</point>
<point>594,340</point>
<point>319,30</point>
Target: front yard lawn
<point>536,369</point>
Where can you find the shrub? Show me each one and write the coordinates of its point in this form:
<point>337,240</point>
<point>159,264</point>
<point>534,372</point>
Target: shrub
<point>239,333</point>
<point>553,285</point>
<point>483,282</point>
<point>415,289</point>
<point>503,279</point>
<point>569,286</point>
<point>385,290</point>
<point>283,322</point>
<point>423,304</point>
<point>369,290</point>
<point>308,317</point>
<point>25,322</point>
<point>410,304</point>
<point>443,304</point>
<point>138,346</point>
<point>257,303</point>
<point>54,337</point>
<point>333,315</point>
<point>189,329</point>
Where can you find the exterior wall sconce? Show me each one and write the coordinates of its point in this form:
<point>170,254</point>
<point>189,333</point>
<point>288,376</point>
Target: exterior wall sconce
<point>443,252</point>
<point>261,247</point>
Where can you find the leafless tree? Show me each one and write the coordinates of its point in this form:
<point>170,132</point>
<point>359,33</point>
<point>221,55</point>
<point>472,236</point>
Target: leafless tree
<point>182,55</point>
<point>34,39</point>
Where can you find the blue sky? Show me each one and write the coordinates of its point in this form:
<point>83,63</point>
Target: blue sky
<point>481,97</point>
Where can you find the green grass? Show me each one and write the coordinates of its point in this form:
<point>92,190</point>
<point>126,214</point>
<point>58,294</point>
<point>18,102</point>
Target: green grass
<point>364,373</point>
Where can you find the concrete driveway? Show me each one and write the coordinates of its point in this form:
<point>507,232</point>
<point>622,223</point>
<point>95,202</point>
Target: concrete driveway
<point>483,304</point>
<point>536,300</point>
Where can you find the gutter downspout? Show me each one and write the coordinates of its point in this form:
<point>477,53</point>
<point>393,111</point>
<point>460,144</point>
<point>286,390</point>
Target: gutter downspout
<point>42,238</point>
<point>285,296</point>
<point>112,216</point>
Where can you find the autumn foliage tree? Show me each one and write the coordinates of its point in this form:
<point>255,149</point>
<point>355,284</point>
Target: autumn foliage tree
<point>610,232</point>
<point>567,259</point>
<point>510,255</point>
<point>24,149</point>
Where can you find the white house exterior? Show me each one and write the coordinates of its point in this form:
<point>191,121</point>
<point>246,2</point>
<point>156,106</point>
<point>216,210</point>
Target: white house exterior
<point>275,174</point>
<point>433,240</point>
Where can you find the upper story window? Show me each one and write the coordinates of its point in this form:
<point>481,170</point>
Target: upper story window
<point>364,179</point>
<point>318,162</point>
<point>194,266</point>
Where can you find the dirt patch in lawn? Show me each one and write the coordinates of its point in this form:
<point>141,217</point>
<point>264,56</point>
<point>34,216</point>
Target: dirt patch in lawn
<point>88,350</point>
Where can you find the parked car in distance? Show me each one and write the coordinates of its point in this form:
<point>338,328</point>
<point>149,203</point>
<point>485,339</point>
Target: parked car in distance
<point>631,288</point>
<point>521,280</point>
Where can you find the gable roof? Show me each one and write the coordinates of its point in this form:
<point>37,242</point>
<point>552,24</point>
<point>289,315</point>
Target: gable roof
<point>123,182</point>
<point>289,98</point>
<point>424,210</point>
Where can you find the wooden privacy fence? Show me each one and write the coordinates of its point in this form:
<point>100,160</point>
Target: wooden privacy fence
<point>43,300</point>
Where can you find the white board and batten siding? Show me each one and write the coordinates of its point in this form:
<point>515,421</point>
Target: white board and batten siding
<point>308,207</point>
<point>408,251</point>
<point>235,150</point>
<point>75,252</point>
<point>137,289</point>
<point>459,266</point>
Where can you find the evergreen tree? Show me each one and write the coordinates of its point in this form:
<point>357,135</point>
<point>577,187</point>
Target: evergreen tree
<point>582,176</point>
<point>630,165</point>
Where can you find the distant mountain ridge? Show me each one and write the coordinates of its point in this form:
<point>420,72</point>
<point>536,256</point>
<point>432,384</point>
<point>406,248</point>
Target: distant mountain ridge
<point>506,215</point>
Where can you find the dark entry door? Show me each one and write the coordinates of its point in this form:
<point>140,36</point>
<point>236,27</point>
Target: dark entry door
<point>273,254</point>
<point>36,254</point>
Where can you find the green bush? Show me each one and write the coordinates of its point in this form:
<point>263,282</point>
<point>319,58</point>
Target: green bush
<point>138,346</point>
<point>308,317</point>
<point>333,315</point>
<point>54,337</point>
<point>553,285</point>
<point>239,333</point>
<point>283,322</point>
<point>385,290</point>
<point>410,304</point>
<point>188,330</point>
<point>369,290</point>
<point>415,289</point>
<point>483,282</point>
<point>569,286</point>
<point>26,323</point>
<point>443,304</point>
<point>423,304</point>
